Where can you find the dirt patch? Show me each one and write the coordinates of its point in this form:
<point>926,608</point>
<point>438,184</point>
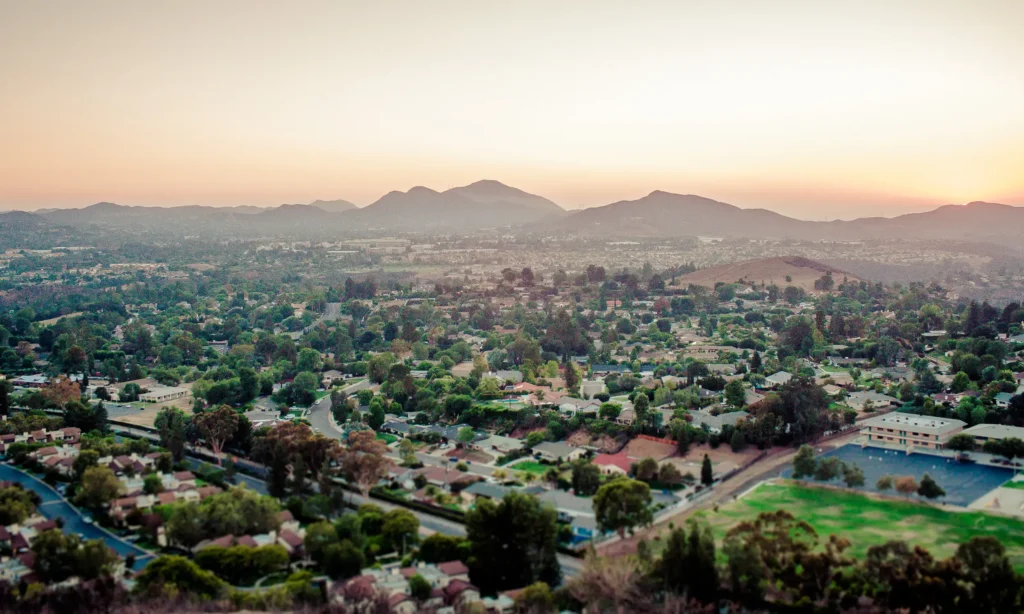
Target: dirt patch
<point>474,456</point>
<point>644,448</point>
<point>607,444</point>
<point>579,439</point>
<point>721,454</point>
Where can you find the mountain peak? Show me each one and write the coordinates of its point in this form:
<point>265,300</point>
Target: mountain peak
<point>106,206</point>
<point>487,183</point>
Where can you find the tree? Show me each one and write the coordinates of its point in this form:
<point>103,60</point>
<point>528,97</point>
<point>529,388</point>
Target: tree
<point>993,586</point>
<point>363,462</point>
<point>513,543</point>
<point>906,485</point>
<point>735,395</point>
<point>853,476</point>
<point>572,377</point>
<point>419,588</point>
<point>961,382</point>
<point>647,469</point>
<point>309,360</point>
<point>179,573</point>
<point>707,475</point>
<point>586,478</point>
<point>536,599</point>
<point>400,529</point>
<point>152,484</point>
<point>172,424</point>
<point>217,427</point>
<point>738,442</point>
<point>16,504</point>
<point>440,548</point>
<point>779,551</point>
<point>804,462</point>
<point>688,565</point>
<point>378,366</point>
<point>828,468</point>
<point>929,489</point>
<point>641,406</point>
<point>99,487</point>
<point>466,434</point>
<point>84,460</point>
<point>609,411</point>
<point>375,417</point>
<point>186,525</point>
<point>884,483</point>
<point>961,442</point>
<point>319,536</point>
<point>669,475</point>
<point>61,391</point>
<point>622,504</point>
<point>59,556</point>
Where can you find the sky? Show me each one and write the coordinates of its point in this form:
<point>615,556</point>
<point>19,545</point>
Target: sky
<point>818,110</point>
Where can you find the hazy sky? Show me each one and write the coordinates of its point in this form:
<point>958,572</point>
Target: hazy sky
<point>815,109</point>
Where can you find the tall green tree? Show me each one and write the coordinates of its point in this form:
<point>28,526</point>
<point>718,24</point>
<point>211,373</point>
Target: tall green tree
<point>622,505</point>
<point>513,543</point>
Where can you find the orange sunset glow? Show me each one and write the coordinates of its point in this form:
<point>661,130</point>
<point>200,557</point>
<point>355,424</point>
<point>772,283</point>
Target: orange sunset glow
<point>818,110</point>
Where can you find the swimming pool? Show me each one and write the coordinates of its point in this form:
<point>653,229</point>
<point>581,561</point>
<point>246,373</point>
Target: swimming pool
<point>963,482</point>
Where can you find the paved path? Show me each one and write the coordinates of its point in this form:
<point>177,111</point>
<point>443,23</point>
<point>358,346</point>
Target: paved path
<point>770,467</point>
<point>320,414</point>
<point>54,506</point>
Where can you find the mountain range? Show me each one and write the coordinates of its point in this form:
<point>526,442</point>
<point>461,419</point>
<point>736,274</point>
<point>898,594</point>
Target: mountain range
<point>490,204</point>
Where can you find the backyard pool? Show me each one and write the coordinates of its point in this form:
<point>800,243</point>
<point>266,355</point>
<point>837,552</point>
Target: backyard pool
<point>963,482</point>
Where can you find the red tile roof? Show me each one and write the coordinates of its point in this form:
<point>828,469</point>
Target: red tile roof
<point>453,568</point>
<point>619,460</point>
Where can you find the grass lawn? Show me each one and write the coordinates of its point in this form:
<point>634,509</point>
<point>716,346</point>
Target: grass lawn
<point>388,438</point>
<point>868,521</point>
<point>833,369</point>
<point>531,467</point>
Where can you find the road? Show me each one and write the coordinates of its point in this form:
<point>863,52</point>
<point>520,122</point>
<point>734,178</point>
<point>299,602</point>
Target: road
<point>320,419</point>
<point>54,506</point>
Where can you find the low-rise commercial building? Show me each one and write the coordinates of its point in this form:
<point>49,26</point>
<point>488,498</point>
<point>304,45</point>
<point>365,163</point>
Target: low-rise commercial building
<point>911,430</point>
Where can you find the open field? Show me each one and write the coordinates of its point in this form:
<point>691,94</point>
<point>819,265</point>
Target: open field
<point>802,272</point>
<point>868,521</point>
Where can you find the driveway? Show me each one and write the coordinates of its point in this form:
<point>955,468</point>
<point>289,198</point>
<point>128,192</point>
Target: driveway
<point>54,506</point>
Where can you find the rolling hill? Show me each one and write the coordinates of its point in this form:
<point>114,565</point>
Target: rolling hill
<point>661,214</point>
<point>802,272</point>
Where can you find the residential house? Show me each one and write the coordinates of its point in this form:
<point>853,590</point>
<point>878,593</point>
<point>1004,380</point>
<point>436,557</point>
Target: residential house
<point>714,423</point>
<point>498,443</point>
<point>775,380</point>
<point>862,399</point>
<point>557,451</point>
<point>613,464</point>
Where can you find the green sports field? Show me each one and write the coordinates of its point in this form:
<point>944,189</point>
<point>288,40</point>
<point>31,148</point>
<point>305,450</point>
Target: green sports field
<point>868,521</point>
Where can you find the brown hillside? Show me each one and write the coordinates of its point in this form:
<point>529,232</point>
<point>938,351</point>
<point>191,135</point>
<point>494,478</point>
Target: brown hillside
<point>802,271</point>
